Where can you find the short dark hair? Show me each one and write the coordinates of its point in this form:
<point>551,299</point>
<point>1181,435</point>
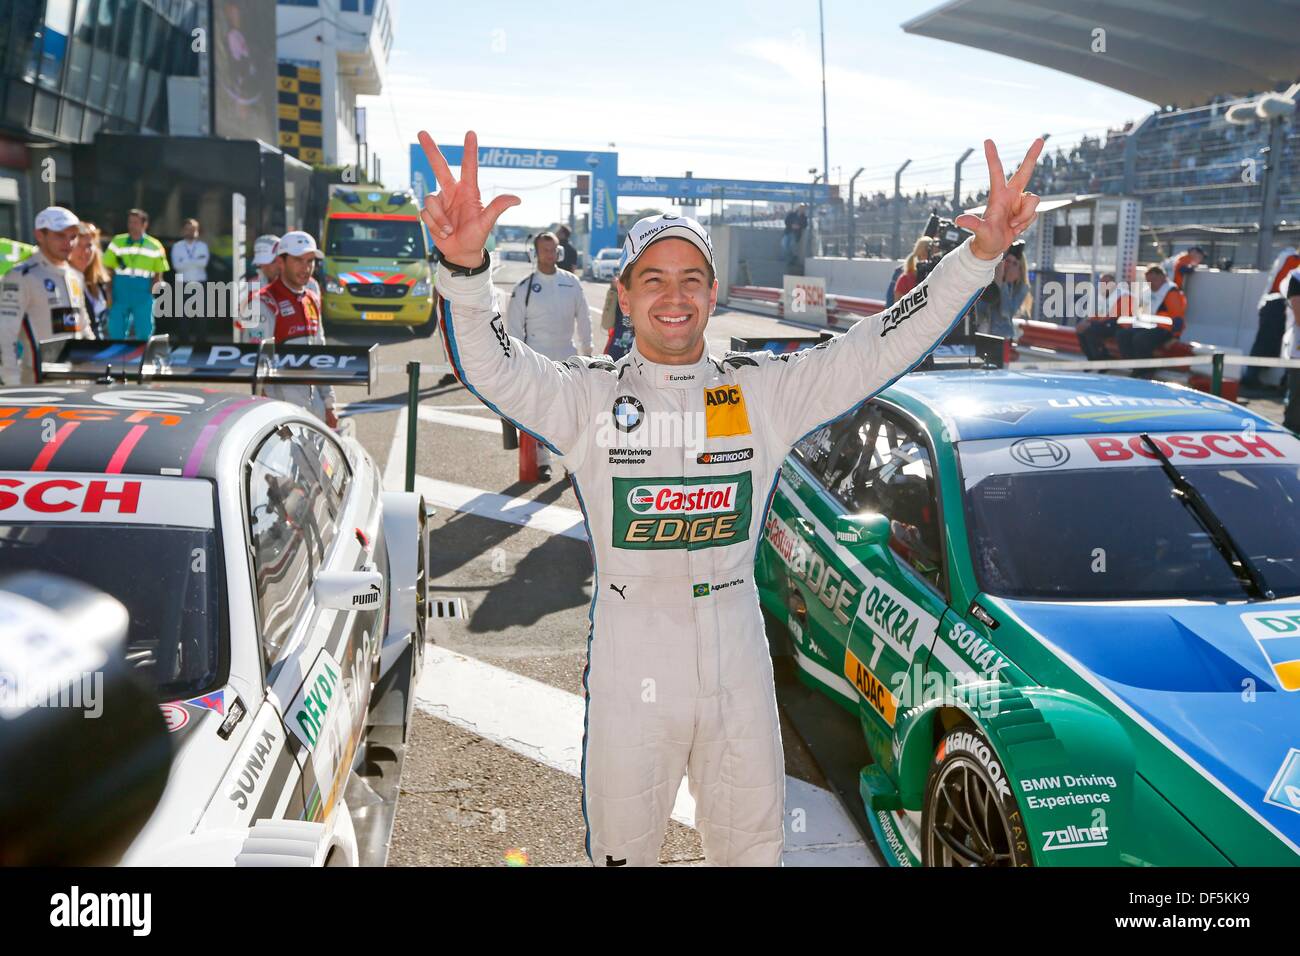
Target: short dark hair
<point>544,235</point>
<point>1197,249</point>
<point>137,212</point>
<point>1155,270</point>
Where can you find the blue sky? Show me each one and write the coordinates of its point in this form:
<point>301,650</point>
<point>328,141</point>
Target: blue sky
<point>725,88</point>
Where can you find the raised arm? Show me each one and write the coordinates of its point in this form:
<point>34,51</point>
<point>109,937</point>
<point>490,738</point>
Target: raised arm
<point>546,399</point>
<point>810,388</point>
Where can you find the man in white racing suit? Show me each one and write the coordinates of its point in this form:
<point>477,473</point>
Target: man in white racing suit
<point>544,309</point>
<point>41,297</point>
<point>674,455</point>
<point>289,311</point>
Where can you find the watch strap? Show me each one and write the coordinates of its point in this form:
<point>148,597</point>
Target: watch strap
<point>459,270</point>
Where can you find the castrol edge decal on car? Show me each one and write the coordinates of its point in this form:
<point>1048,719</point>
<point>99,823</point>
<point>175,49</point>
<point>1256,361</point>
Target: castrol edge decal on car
<point>1002,456</point>
<point>694,512</point>
<point>120,499</point>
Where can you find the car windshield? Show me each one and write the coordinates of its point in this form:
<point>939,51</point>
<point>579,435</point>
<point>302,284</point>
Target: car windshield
<point>1096,518</point>
<point>148,542</point>
<point>374,238</point>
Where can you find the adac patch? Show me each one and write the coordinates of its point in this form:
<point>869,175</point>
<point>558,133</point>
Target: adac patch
<point>724,412</point>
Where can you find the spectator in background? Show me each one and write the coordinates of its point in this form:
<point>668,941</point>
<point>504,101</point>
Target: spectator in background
<point>1166,300</point>
<point>568,256</point>
<point>88,259</point>
<point>266,269</point>
<point>612,317</point>
<point>796,223</point>
<point>1012,278</point>
<point>190,255</point>
<point>1178,268</point>
<point>289,312</point>
<point>137,261</point>
<point>1112,302</point>
<point>889,290</point>
<point>545,309</point>
<point>1272,314</point>
<point>266,264</point>
<point>1291,350</point>
<point>41,297</point>
<point>921,252</point>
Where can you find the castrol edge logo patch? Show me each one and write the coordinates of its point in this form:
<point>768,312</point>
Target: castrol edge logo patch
<point>699,512</point>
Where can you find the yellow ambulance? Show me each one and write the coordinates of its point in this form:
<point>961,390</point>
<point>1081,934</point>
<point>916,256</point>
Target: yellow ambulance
<point>376,267</point>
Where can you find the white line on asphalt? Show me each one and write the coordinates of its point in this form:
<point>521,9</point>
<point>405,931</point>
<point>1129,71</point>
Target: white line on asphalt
<point>544,724</point>
<point>486,504</point>
<point>364,408</point>
<point>395,466</point>
<point>436,414</point>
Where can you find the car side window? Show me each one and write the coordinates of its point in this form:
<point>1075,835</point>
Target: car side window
<point>324,459</point>
<point>289,533</point>
<point>891,472</point>
<point>826,450</point>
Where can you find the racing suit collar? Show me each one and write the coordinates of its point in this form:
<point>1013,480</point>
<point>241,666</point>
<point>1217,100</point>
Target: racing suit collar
<point>669,376</point>
<point>49,263</point>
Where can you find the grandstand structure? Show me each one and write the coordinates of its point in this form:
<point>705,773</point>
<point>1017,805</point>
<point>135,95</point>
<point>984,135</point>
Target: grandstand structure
<point>1207,165</point>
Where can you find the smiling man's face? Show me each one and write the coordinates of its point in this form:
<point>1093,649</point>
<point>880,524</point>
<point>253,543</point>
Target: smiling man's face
<point>669,295</point>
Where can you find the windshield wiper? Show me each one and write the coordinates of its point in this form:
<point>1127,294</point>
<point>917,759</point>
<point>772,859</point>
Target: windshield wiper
<point>1186,492</point>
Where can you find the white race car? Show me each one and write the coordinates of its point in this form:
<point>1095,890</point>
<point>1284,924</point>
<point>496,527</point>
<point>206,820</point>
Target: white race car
<point>276,593</point>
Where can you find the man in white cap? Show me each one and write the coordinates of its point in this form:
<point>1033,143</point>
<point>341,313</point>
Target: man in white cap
<point>288,310</point>
<point>266,269</point>
<point>674,454</point>
<point>41,297</point>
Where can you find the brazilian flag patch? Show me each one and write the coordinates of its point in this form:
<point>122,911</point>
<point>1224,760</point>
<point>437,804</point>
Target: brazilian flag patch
<point>701,590</point>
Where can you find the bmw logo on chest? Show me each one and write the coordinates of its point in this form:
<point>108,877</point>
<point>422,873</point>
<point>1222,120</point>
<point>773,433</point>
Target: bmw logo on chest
<point>628,413</point>
<point>537,287</point>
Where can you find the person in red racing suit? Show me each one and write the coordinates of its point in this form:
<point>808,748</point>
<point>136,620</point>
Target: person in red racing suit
<point>679,676</point>
<point>289,311</point>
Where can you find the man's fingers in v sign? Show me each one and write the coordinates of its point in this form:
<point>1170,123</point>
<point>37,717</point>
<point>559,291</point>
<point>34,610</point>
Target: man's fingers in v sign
<point>1009,210</point>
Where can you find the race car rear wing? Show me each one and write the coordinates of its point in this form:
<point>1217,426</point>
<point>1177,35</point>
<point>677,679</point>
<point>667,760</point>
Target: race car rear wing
<point>979,350</point>
<point>778,344</point>
<point>65,359</point>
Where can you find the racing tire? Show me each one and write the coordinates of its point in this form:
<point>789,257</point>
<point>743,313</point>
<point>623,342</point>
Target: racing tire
<point>780,641</point>
<point>970,815</point>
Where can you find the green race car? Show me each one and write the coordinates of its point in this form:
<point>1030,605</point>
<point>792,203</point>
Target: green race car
<point>1066,610</point>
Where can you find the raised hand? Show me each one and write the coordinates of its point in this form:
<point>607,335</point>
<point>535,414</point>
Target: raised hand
<point>1009,211</point>
<point>456,217</point>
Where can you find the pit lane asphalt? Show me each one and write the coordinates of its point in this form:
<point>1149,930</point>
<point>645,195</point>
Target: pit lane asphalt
<point>467,800</point>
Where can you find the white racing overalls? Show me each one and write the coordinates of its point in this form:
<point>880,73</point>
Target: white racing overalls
<point>674,466</point>
<point>38,300</point>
